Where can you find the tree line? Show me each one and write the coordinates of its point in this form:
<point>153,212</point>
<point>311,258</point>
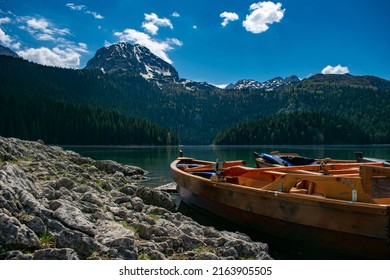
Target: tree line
<point>60,122</point>
<point>300,127</point>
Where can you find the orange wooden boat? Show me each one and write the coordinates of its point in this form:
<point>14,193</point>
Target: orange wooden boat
<point>339,206</point>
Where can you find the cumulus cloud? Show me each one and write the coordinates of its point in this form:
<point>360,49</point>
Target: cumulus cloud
<point>5,20</point>
<point>43,30</point>
<point>65,53</point>
<point>159,48</point>
<point>5,39</point>
<point>153,22</point>
<point>335,70</point>
<point>83,8</point>
<point>262,15</point>
<point>66,57</point>
<point>227,17</point>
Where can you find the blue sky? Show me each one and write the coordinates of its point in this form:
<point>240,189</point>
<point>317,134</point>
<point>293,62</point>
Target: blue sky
<point>217,41</point>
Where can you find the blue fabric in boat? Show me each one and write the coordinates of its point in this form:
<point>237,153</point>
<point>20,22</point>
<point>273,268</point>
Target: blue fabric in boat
<point>287,160</point>
<point>204,174</point>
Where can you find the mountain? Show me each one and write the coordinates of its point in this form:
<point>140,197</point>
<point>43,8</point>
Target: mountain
<point>6,51</point>
<point>269,85</point>
<point>325,81</point>
<point>124,59</point>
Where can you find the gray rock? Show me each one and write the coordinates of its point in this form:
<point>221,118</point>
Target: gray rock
<point>81,243</point>
<point>17,255</point>
<point>129,190</point>
<point>137,203</point>
<point>55,254</point>
<point>36,225</point>
<point>116,236</point>
<point>157,198</point>
<point>207,256</point>
<point>92,198</point>
<point>65,183</point>
<point>111,167</point>
<point>74,218</point>
<point>15,235</point>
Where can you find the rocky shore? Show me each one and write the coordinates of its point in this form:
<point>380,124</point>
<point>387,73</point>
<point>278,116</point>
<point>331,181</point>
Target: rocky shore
<point>56,204</point>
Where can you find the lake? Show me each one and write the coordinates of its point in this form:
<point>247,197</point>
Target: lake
<point>156,159</point>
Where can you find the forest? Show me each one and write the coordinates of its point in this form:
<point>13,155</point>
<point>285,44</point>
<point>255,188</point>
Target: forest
<point>300,127</point>
<point>196,117</point>
<point>59,122</point>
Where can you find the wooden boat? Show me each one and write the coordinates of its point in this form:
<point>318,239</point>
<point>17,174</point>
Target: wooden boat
<point>340,206</point>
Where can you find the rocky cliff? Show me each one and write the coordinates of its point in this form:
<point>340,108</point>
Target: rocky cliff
<point>56,204</point>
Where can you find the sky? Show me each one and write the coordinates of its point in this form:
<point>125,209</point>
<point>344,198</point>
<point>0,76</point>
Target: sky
<point>214,41</point>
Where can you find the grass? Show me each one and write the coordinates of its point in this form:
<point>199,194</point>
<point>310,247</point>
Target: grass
<point>46,240</point>
<point>154,216</point>
<point>144,256</point>
<point>204,248</point>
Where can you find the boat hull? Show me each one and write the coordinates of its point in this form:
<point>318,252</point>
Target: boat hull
<point>355,229</point>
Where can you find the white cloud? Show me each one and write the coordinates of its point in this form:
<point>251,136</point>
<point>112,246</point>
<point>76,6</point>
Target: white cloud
<point>175,41</point>
<point>262,15</point>
<point>5,20</point>
<point>194,27</point>
<point>222,86</point>
<point>95,14</point>
<point>335,70</point>
<point>227,17</point>
<point>67,58</point>
<point>159,48</point>
<point>150,27</point>
<point>175,14</point>
<point>5,39</point>
<point>153,22</point>
<point>75,7</point>
<point>43,30</point>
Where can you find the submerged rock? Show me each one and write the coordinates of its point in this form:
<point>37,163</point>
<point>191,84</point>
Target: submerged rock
<point>56,204</point>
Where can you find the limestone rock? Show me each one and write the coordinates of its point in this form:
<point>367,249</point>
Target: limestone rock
<point>56,204</point>
<point>15,235</point>
<point>55,254</point>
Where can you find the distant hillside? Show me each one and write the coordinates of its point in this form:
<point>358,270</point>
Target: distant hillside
<point>319,81</point>
<point>300,127</point>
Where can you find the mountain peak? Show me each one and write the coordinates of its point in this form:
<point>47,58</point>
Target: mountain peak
<point>124,58</point>
<point>267,85</point>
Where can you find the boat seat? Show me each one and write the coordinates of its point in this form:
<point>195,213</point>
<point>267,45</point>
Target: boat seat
<point>300,191</point>
<point>250,182</point>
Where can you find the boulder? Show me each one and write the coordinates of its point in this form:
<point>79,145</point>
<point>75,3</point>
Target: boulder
<point>55,254</point>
